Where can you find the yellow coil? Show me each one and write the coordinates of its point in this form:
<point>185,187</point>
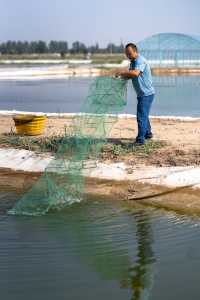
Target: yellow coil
<point>29,124</point>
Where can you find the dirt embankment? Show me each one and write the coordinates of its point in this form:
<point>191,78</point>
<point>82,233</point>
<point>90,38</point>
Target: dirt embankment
<point>176,142</point>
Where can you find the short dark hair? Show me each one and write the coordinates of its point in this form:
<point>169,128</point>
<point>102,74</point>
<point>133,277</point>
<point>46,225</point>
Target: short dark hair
<point>133,46</point>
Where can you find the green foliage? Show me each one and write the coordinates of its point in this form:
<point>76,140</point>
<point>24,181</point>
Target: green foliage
<point>52,144</point>
<point>120,150</point>
<point>40,47</point>
<point>148,148</point>
<point>78,47</point>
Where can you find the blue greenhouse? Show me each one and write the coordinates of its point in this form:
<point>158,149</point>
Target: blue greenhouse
<point>171,50</point>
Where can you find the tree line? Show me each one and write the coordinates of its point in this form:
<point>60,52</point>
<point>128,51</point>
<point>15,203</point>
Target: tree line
<point>62,47</point>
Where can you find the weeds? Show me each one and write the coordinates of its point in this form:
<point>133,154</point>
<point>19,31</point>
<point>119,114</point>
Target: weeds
<point>52,144</point>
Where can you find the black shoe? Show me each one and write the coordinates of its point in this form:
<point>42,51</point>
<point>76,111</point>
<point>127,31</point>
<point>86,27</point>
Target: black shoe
<point>137,144</point>
<point>148,136</point>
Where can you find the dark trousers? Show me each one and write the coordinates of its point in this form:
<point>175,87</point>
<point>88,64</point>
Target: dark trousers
<point>143,110</point>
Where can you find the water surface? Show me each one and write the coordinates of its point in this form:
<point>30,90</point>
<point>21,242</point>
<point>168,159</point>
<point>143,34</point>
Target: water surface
<point>175,95</point>
<point>100,250</point>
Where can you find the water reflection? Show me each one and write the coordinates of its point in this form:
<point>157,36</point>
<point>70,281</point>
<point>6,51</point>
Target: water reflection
<point>105,249</point>
<point>141,273</point>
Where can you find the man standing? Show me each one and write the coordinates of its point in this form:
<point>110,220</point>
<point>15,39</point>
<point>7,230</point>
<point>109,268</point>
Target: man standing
<point>140,73</point>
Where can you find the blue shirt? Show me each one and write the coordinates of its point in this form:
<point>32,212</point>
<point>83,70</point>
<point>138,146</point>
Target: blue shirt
<point>143,83</point>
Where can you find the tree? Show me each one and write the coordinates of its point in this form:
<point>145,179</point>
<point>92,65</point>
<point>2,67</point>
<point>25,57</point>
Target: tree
<point>63,46</point>
<point>33,47</point>
<point>25,47</point>
<point>19,48</point>
<point>3,48</point>
<point>41,47</point>
<point>78,47</point>
<point>112,48</point>
<point>52,47</point>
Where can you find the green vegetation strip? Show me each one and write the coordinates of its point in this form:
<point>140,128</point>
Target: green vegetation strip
<point>112,148</point>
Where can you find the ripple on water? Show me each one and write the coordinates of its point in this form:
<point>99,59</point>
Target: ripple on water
<point>97,248</point>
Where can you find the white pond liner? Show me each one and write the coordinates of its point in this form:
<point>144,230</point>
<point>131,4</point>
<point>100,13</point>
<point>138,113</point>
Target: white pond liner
<point>29,161</point>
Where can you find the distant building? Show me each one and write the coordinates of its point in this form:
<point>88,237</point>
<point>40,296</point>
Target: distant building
<point>171,50</point>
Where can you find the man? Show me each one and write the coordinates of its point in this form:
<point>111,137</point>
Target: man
<point>140,73</point>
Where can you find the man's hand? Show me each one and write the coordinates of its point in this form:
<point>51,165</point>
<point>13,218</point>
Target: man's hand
<point>118,73</point>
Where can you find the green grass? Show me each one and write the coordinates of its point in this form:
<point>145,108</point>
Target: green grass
<point>108,60</point>
<point>118,150</point>
<point>96,58</point>
<point>149,147</point>
<point>32,143</point>
<point>52,144</point>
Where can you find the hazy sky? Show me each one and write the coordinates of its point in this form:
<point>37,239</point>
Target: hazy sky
<point>101,20</point>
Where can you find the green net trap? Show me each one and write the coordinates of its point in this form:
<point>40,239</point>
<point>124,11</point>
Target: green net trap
<point>63,180</point>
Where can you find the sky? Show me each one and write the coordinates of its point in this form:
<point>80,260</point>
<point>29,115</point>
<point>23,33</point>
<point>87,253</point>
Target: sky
<point>91,21</point>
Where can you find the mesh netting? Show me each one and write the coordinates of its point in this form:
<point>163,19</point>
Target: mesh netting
<point>63,182</point>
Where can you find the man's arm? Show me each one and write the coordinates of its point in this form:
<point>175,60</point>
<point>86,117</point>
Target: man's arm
<point>128,73</point>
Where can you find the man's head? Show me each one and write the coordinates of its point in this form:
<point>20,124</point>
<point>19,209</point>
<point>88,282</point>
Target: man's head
<point>131,51</point>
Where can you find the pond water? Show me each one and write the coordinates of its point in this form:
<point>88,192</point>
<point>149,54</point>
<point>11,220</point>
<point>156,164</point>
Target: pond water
<point>100,250</point>
<point>175,95</point>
